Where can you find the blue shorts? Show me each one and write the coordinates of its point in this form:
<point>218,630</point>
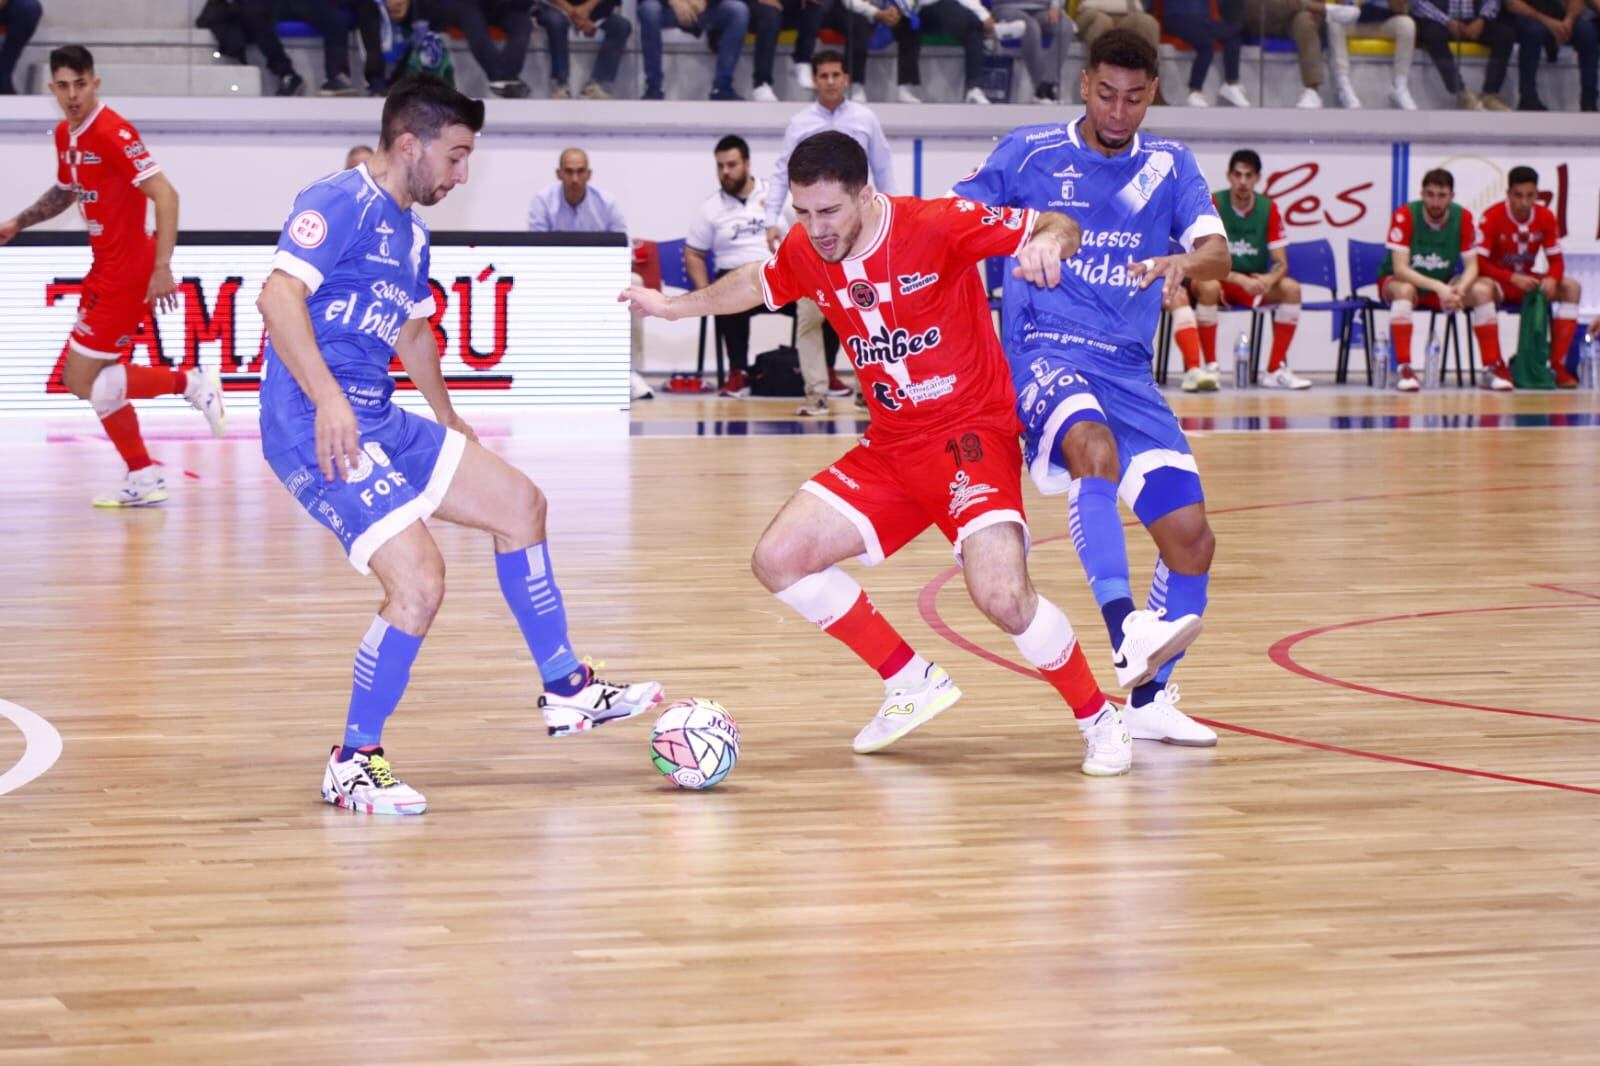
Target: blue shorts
<point>1058,387</point>
<point>406,469</point>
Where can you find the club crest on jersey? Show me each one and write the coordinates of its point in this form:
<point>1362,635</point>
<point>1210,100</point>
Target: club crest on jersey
<point>308,229</point>
<point>863,294</point>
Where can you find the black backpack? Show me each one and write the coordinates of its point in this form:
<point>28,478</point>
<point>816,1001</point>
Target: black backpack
<point>777,373</point>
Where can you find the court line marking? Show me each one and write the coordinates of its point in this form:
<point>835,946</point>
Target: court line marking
<point>42,746</point>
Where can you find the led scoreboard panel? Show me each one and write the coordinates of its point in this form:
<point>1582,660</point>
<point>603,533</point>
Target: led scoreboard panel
<point>521,319</point>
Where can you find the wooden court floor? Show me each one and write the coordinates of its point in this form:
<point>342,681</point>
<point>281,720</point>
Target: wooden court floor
<point>1389,858</point>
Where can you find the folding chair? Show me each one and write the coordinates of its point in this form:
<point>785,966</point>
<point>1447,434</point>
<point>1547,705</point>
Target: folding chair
<point>1311,263</point>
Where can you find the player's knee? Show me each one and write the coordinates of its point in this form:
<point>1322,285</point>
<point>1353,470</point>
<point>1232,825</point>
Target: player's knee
<point>1289,291</point>
<point>1569,290</point>
<point>1009,605</point>
<point>1090,451</point>
<point>105,387</point>
<point>525,512</point>
<point>417,601</point>
<point>1179,297</point>
<point>1401,290</point>
<point>779,561</point>
<point>1192,549</point>
<point>1482,292</point>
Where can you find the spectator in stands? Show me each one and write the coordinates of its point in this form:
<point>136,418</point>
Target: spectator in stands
<point>1510,238</point>
<point>261,18</point>
<point>357,155</point>
<point>731,227</point>
<point>223,19</point>
<point>766,22</point>
<point>1297,19</point>
<point>503,65</point>
<point>1443,22</point>
<point>1040,20</point>
<point>967,21</point>
<point>20,18</point>
<point>369,17</point>
<point>1097,16</point>
<point>588,17</point>
<point>806,17</point>
<point>1387,21</point>
<point>1191,22</point>
<point>1544,26</point>
<point>856,20</point>
<point>818,345</point>
<point>722,21</point>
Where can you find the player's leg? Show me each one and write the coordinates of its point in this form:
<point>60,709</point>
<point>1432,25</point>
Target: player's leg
<point>490,494</point>
<point>1207,312</point>
<point>1563,324</point>
<point>1285,320</point>
<point>855,509</point>
<point>994,564</point>
<point>1401,296</point>
<point>1187,337</point>
<point>1483,298</point>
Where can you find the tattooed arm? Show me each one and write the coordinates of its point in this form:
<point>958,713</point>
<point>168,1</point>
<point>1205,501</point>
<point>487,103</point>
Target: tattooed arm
<point>44,208</point>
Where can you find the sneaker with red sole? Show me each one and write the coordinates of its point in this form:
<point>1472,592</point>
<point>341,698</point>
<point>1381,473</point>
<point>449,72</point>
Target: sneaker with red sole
<point>1565,380</point>
<point>737,387</point>
<point>836,385</point>
<point>1496,378</point>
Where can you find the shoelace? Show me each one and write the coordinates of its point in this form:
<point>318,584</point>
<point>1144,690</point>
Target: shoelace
<point>594,667</point>
<point>378,770</point>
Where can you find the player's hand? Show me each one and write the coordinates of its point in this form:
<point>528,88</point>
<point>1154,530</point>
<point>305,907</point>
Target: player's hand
<point>1473,30</point>
<point>454,421</point>
<point>1168,269</point>
<point>338,438</point>
<point>1450,298</point>
<point>1039,262</point>
<point>889,16</point>
<point>1254,284</point>
<point>774,238</point>
<point>1549,287</point>
<point>1525,282</point>
<point>163,291</point>
<point>647,303</point>
<point>8,230</point>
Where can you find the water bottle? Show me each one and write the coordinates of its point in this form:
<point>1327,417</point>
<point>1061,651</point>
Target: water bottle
<point>1241,361</point>
<point>1589,364</point>
<point>1382,356</point>
<point>1432,364</point>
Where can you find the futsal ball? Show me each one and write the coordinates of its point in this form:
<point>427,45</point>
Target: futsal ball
<point>695,742</point>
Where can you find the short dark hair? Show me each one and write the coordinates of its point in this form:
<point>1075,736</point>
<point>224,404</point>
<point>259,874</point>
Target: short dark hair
<point>1248,157</point>
<point>423,106</point>
<point>732,143</point>
<point>75,57</point>
<point>1439,178</point>
<point>829,156</point>
<point>826,56</point>
<point>1125,49</point>
<point>1521,175</point>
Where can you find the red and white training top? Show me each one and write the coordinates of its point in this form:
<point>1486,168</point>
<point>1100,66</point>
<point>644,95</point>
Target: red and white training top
<point>104,161</point>
<point>912,312</point>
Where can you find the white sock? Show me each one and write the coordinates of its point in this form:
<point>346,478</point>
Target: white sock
<point>910,675</point>
<point>1048,641</point>
<point>1562,309</point>
<point>822,598</point>
<point>1288,314</point>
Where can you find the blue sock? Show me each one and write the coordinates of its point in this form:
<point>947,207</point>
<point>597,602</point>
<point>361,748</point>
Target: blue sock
<point>1180,594</point>
<point>530,591</point>
<point>383,666</point>
<point>1096,530</point>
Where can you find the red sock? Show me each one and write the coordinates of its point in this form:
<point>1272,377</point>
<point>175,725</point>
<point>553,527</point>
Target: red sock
<point>147,381</point>
<point>122,426</point>
<point>867,633</point>
<point>1076,683</point>
<point>1402,341</point>
<point>1188,340</point>
<point>1488,334</point>
<point>1208,341</point>
<point>1561,331</point>
<point>1282,334</point>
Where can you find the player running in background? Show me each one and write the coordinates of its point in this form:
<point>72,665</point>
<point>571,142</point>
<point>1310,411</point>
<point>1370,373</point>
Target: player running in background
<point>1432,263</point>
<point>1257,244</point>
<point>1095,421</point>
<point>348,291</point>
<point>1510,238</point>
<point>894,275</point>
<point>103,165</point>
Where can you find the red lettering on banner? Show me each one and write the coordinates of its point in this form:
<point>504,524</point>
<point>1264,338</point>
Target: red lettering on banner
<point>1308,209</point>
<point>203,326</point>
<point>469,355</point>
<point>1559,198</point>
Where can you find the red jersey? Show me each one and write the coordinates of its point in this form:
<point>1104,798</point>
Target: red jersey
<point>103,161</point>
<point>1506,246</point>
<point>912,312</point>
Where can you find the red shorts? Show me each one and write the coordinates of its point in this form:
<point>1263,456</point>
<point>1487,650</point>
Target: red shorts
<point>962,480</point>
<point>107,320</point>
<point>1237,296</point>
<point>1428,301</point>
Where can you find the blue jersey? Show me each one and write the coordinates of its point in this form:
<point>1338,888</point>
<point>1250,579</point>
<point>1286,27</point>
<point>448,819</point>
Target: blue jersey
<point>365,262</point>
<point>1134,205</point>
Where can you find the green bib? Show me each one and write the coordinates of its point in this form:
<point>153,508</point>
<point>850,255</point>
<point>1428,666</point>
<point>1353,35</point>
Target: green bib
<point>1435,253</point>
<point>1247,235</point>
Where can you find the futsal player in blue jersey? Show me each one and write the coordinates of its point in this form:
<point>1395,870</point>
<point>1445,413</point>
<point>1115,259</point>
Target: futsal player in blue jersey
<point>349,291</point>
<point>1080,353</point>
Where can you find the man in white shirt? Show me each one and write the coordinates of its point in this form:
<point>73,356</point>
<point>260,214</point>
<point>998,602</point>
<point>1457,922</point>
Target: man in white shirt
<point>731,226</point>
<point>572,206</point>
<point>818,345</point>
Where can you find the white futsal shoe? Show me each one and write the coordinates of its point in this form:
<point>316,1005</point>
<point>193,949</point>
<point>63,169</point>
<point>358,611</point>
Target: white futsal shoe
<point>1161,720</point>
<point>1284,378</point>
<point>140,488</point>
<point>596,703</point>
<point>204,393</point>
<point>906,708</point>
<point>1199,379</point>
<point>1148,641</point>
<point>365,782</point>
<point>1109,746</point>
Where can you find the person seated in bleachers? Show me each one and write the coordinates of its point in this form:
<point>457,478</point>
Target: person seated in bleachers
<point>514,18</point>
<point>1543,26</point>
<point>856,21</point>
<point>588,17</point>
<point>20,18</point>
<point>1300,20</point>
<point>723,22</point>
<point>261,18</point>
<point>1443,24</point>
<point>1191,22</point>
<point>967,21</point>
<point>1046,33</point>
<point>1097,16</point>
<point>1389,21</point>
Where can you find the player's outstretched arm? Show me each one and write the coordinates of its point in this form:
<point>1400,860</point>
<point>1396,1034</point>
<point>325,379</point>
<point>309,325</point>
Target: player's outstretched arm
<point>283,308</point>
<point>419,354</point>
<point>1210,261</point>
<point>1055,238</point>
<point>163,290</point>
<point>737,290</point>
<point>46,207</point>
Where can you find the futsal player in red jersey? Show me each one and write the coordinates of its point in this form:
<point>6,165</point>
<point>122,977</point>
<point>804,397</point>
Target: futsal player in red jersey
<point>104,166</point>
<point>897,279</point>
